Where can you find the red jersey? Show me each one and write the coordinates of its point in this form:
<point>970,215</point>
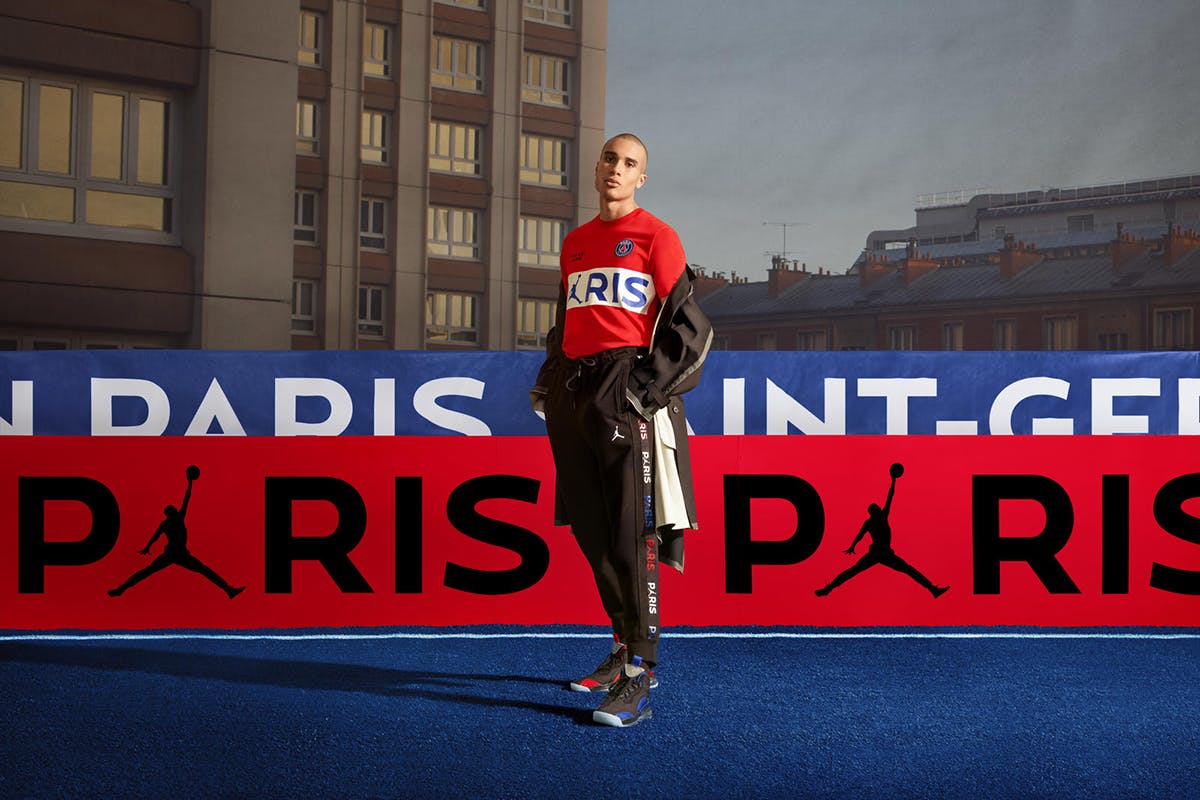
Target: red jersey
<point>615,275</point>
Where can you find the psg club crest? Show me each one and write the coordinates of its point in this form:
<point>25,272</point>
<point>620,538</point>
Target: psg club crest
<point>624,247</point>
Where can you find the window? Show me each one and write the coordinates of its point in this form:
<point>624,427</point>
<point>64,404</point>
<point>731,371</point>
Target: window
<point>1080,223</point>
<point>308,121</point>
<point>1114,341</point>
<point>1004,334</point>
<point>374,137</point>
<point>999,232</point>
<point>370,311</point>
<point>552,12</point>
<point>451,318</point>
<point>480,4</point>
<point>1173,329</point>
<point>902,337</point>
<point>85,154</point>
<point>453,233</point>
<point>372,224</point>
<point>377,50</point>
<point>766,341</point>
<point>1059,333</point>
<point>309,54</point>
<point>304,225</point>
<point>454,148</point>
<point>811,340</point>
<point>952,336</point>
<point>543,160</point>
<point>535,318</point>
<point>304,306</point>
<point>720,343</point>
<point>457,64</point>
<point>547,80</point>
<point>539,241</point>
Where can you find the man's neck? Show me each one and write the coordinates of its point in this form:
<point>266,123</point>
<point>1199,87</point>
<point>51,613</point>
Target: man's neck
<point>612,211</point>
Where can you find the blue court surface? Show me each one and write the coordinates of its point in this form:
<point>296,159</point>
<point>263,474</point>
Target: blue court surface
<point>484,712</point>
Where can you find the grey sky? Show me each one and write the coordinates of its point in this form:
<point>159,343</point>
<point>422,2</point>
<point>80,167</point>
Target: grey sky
<point>838,114</point>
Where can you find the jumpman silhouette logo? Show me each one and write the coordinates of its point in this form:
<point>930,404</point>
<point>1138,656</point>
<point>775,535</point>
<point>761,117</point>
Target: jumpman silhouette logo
<point>881,551</point>
<point>176,551</point>
<point>617,433</point>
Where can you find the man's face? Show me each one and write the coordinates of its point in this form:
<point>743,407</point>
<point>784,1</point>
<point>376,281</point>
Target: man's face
<point>620,170</point>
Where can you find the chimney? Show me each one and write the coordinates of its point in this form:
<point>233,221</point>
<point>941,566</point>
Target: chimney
<point>1016,257</point>
<point>916,265</point>
<point>784,273</point>
<point>1125,249</point>
<point>1177,242</point>
<point>706,284</point>
<point>873,268</point>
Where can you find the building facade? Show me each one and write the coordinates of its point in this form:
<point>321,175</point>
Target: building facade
<point>305,174</point>
<point>1104,268</point>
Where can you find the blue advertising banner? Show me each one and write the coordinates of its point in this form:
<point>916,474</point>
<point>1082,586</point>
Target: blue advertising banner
<point>197,393</point>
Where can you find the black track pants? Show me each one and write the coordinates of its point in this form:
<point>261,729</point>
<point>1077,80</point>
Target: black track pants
<point>603,456</point>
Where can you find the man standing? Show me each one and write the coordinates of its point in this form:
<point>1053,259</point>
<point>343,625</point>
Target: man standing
<point>629,339</point>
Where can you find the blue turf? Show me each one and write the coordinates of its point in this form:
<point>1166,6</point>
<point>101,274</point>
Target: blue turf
<point>953,718</point>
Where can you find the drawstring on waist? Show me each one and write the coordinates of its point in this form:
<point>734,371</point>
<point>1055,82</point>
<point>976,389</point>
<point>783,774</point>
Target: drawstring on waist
<point>603,358</point>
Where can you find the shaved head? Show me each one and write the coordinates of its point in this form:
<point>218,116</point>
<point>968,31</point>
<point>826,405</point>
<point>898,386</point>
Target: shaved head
<point>630,138</point>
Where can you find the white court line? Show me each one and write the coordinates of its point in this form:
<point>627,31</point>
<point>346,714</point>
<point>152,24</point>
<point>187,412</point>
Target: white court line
<point>281,637</point>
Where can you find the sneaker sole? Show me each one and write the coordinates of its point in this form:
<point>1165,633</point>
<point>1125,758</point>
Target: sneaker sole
<point>612,720</point>
<point>602,687</point>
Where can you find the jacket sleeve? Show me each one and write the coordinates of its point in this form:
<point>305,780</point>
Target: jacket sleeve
<point>554,356</point>
<point>682,337</point>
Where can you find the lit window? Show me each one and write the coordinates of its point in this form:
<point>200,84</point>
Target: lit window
<point>309,53</point>
<point>1004,334</point>
<point>535,318</point>
<point>84,154</point>
<point>370,310</point>
<point>304,217</point>
<point>304,306</point>
<point>543,160</point>
<point>374,137</point>
<point>454,148</point>
<point>456,64</point>
<point>540,241</point>
<point>372,224</point>
<point>553,12</point>
<point>1173,329</point>
<point>308,122</point>
<point>1060,333</point>
<point>453,233</point>
<point>902,337</point>
<point>451,318</point>
<point>377,50</point>
<point>547,80</point>
<point>952,336</point>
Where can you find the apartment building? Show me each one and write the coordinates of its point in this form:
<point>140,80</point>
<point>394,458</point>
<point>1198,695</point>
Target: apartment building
<point>312,174</point>
<point>1109,267</point>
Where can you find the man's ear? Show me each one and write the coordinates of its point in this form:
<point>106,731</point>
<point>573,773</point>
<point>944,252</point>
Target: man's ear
<point>641,180</point>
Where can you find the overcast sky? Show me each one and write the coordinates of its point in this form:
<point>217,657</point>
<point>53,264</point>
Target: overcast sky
<point>838,114</point>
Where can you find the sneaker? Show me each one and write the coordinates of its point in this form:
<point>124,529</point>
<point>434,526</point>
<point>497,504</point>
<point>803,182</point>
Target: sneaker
<point>605,674</point>
<point>628,701</point>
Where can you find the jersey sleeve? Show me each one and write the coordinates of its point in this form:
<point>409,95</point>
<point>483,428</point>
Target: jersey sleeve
<point>667,260</point>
